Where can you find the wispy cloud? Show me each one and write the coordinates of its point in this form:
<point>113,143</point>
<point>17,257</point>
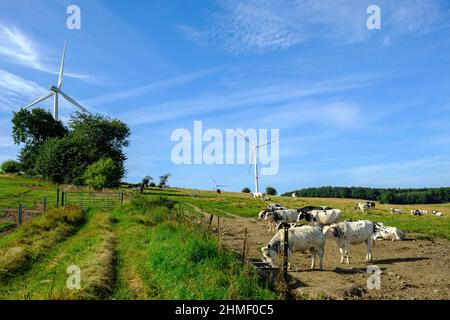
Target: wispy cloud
<point>18,48</point>
<point>15,91</point>
<point>254,97</point>
<point>253,26</point>
<point>155,86</point>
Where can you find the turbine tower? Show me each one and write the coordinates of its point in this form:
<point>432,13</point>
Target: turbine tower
<point>56,90</point>
<point>254,157</point>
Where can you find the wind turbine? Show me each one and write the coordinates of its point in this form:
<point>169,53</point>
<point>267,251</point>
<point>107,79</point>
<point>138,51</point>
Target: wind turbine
<point>254,157</point>
<point>56,90</point>
<point>217,185</point>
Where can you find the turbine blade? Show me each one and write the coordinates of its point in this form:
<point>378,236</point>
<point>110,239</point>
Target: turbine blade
<point>72,101</point>
<point>61,71</point>
<point>246,138</point>
<point>266,144</point>
<point>251,161</point>
<point>214,180</point>
<point>48,95</point>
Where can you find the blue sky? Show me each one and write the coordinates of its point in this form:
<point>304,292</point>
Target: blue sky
<point>354,106</point>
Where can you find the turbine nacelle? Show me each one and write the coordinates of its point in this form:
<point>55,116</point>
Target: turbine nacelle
<point>56,90</point>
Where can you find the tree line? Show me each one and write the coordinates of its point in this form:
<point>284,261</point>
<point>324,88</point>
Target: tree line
<point>89,151</point>
<point>384,195</point>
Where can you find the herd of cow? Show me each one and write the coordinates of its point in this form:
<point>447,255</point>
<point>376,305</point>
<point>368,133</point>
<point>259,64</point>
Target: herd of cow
<point>323,223</point>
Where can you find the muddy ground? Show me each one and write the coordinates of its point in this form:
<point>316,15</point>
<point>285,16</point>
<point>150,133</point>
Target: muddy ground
<point>411,269</point>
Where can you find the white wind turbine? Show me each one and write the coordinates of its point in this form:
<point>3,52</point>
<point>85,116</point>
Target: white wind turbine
<point>56,90</point>
<point>254,157</point>
<point>217,186</point>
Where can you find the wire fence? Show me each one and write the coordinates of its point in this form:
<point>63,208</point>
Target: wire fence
<point>92,199</point>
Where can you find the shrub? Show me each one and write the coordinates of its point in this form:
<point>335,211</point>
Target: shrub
<point>10,166</point>
<point>102,174</point>
<point>271,191</point>
<point>246,190</point>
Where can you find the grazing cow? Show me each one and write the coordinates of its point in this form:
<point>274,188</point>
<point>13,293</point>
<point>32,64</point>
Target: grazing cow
<point>346,233</point>
<point>362,206</point>
<point>294,195</point>
<point>321,216</point>
<point>257,195</point>
<point>270,208</point>
<point>278,216</point>
<point>419,212</point>
<point>437,213</point>
<point>396,210</point>
<point>387,233</point>
<point>301,238</point>
<point>371,204</point>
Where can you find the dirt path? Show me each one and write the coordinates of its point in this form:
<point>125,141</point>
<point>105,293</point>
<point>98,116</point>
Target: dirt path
<point>411,269</point>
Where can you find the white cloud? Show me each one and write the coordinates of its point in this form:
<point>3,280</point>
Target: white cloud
<point>16,91</point>
<point>18,48</point>
<point>249,26</point>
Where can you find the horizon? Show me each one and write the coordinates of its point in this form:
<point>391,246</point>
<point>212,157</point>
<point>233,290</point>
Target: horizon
<point>353,106</point>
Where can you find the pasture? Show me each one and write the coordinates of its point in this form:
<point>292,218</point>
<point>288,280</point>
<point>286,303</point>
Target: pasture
<point>157,246</point>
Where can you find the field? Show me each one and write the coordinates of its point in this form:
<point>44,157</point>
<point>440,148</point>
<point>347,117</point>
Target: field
<point>157,246</point>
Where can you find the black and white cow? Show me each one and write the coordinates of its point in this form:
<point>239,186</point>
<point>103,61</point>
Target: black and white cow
<point>279,216</point>
<point>301,238</point>
<point>346,233</point>
<point>320,216</point>
<point>387,233</point>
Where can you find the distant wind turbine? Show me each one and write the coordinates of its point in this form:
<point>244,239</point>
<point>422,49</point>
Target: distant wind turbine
<point>254,157</point>
<point>217,186</point>
<point>56,90</point>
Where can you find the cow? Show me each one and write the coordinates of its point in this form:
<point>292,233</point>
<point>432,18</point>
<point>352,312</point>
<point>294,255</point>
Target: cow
<point>387,233</point>
<point>294,195</point>
<point>257,195</point>
<point>278,216</point>
<point>270,208</point>
<point>301,238</point>
<point>362,206</point>
<point>396,210</point>
<point>320,217</point>
<point>347,233</point>
<point>437,213</point>
<point>419,212</point>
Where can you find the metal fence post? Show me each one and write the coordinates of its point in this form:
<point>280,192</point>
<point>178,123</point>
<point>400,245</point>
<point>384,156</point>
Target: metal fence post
<point>62,198</point>
<point>45,204</point>
<point>121,197</point>
<point>81,199</point>
<point>218,230</point>
<point>20,213</point>
<point>57,198</point>
<point>285,252</point>
<point>244,247</point>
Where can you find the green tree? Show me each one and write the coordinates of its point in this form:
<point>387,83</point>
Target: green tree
<point>10,166</point>
<point>271,191</point>
<point>163,180</point>
<point>146,180</point>
<point>246,190</point>
<point>104,137</point>
<point>102,174</point>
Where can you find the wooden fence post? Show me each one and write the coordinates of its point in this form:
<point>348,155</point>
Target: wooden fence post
<point>45,204</point>
<point>81,199</point>
<point>121,197</point>
<point>62,198</point>
<point>19,212</point>
<point>210,221</point>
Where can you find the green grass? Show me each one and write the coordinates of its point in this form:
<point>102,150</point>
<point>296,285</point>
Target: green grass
<point>6,226</point>
<point>176,260</point>
<point>91,249</point>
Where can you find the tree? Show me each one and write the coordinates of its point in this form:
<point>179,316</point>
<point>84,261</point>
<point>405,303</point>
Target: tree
<point>105,137</point>
<point>102,174</point>
<point>10,166</point>
<point>152,184</point>
<point>271,191</point>
<point>146,180</point>
<point>35,126</point>
<point>246,190</point>
<point>163,181</point>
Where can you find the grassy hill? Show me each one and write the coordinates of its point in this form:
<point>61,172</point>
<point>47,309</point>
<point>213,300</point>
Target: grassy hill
<point>152,247</point>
